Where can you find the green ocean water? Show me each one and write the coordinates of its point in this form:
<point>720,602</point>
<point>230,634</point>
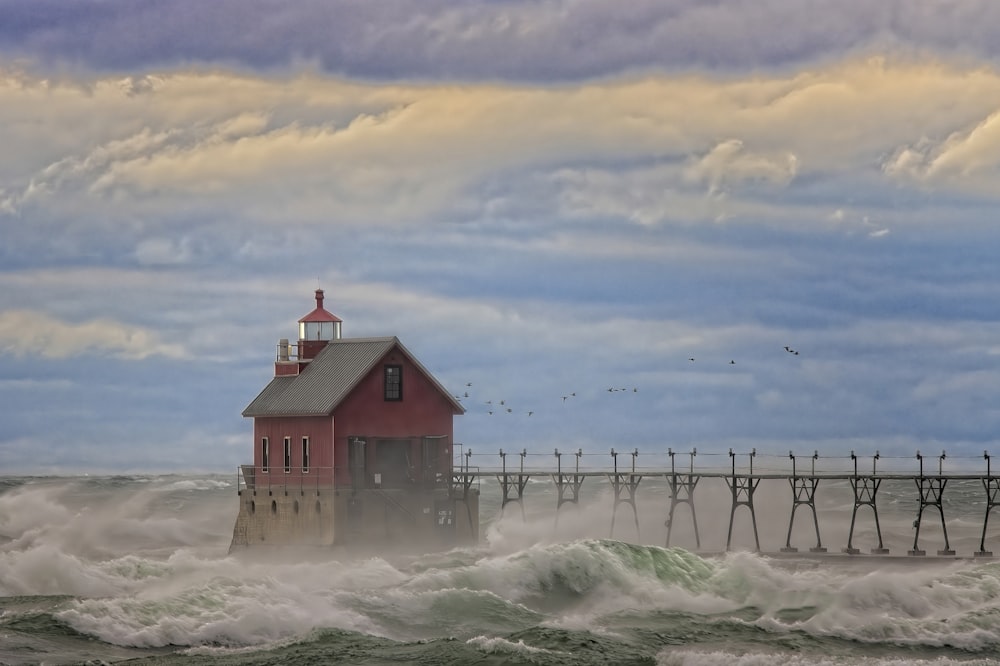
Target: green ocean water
<point>137,570</point>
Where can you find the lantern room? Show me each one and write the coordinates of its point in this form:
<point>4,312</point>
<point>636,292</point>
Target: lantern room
<point>317,328</point>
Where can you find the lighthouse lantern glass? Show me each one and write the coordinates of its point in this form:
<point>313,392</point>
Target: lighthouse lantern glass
<point>319,330</point>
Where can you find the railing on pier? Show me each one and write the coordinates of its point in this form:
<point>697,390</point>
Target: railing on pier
<point>315,479</point>
<point>743,472</point>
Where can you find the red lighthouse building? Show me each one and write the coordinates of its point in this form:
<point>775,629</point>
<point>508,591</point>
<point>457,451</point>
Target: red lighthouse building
<point>352,446</point>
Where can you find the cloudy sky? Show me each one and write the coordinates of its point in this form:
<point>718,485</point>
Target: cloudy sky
<point>539,198</point>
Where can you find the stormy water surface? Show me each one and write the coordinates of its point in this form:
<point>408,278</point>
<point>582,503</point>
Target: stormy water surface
<point>137,568</point>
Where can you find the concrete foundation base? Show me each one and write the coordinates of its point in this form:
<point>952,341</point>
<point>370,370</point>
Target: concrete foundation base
<point>406,519</point>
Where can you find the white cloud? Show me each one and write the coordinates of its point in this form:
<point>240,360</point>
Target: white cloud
<point>967,159</point>
<point>31,384</point>
<point>33,333</point>
<point>332,151</point>
<point>729,164</point>
<point>967,385</point>
<point>163,251</point>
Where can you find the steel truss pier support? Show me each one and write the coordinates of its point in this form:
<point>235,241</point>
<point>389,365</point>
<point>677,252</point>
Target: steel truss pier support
<point>865,494</point>
<point>510,481</point>
<point>625,481</point>
<point>682,492</point>
<point>460,485</point>
<point>742,489</point>
<point>803,493</point>
<point>992,487</point>
<point>567,482</point>
<point>931,490</point>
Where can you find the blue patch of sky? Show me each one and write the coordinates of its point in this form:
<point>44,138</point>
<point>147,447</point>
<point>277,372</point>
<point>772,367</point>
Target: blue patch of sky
<point>164,400</point>
<point>370,41</point>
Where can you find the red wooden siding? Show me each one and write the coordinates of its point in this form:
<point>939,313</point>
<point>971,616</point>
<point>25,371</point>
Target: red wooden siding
<point>423,411</point>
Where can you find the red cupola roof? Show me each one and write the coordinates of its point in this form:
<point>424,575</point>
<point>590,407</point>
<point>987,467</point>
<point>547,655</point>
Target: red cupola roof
<point>320,313</point>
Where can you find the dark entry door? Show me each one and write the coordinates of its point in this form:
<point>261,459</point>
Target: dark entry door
<point>356,462</point>
<point>392,461</point>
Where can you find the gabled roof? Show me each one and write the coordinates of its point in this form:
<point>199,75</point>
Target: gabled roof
<point>330,377</point>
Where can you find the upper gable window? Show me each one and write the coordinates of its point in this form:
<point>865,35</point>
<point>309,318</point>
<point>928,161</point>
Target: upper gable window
<point>393,383</point>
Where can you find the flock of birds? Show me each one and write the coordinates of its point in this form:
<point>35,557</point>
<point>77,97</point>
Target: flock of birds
<point>491,407</point>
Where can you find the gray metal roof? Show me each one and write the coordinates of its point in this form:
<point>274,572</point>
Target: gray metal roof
<point>330,377</point>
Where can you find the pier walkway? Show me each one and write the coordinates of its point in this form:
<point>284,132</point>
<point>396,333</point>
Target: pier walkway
<point>803,474</point>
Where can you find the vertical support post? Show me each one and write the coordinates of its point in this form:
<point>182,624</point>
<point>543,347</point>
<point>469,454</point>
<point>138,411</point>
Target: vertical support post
<point>507,483</point>
<point>464,479</point>
<point>625,481</point>
<point>992,487</point>
<point>931,490</point>
<point>566,482</point>
<point>803,493</point>
<point>865,494</point>
<point>682,492</point>
<point>742,489</point>
<point>916,551</point>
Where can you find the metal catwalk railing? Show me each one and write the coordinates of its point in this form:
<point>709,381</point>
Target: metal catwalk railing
<point>742,472</point>
<point>313,479</point>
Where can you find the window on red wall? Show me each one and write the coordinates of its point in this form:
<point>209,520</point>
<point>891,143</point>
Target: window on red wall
<point>393,382</point>
<point>288,455</point>
<point>265,457</point>
<point>305,455</point>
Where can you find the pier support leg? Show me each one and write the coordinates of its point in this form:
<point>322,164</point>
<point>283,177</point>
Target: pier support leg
<point>629,482</point>
<point>992,486</point>
<point>931,490</point>
<point>458,490</point>
<point>742,489</point>
<point>568,487</point>
<point>803,494</point>
<point>682,492</point>
<point>509,482</point>
<point>865,494</point>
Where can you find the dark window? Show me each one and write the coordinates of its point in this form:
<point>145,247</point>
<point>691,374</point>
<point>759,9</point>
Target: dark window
<point>288,455</point>
<point>265,457</point>
<point>393,382</point>
<point>305,454</point>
